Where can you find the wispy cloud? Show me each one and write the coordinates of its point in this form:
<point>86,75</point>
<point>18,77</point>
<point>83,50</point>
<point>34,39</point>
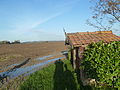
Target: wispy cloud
<point>45,20</point>
<point>62,8</point>
<point>27,28</point>
<point>64,5</point>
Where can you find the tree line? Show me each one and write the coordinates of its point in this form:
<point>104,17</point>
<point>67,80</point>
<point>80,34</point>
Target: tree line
<point>8,42</point>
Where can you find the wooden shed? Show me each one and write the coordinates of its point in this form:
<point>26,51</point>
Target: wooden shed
<point>78,41</point>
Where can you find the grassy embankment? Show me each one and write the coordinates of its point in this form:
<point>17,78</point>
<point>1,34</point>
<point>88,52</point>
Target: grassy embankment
<point>58,76</point>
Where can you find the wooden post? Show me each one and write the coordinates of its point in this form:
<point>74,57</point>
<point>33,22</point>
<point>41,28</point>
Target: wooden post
<point>82,75</point>
<point>74,58</point>
<point>71,58</point>
<point>77,58</point>
<point>81,49</point>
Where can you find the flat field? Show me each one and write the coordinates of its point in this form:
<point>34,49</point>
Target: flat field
<point>16,53</point>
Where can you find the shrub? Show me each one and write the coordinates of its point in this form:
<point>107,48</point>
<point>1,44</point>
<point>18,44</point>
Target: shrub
<point>16,42</point>
<point>102,62</point>
<point>4,42</point>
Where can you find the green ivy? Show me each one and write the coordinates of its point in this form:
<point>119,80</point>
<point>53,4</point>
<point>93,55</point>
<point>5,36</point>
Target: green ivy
<point>102,62</point>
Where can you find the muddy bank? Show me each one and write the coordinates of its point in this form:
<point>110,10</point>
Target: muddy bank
<point>27,67</point>
<point>7,77</point>
<point>16,53</point>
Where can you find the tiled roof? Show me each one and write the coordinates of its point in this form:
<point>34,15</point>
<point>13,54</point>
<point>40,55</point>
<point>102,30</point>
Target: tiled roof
<point>84,38</point>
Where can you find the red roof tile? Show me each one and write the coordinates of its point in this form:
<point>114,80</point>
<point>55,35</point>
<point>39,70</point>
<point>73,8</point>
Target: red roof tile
<point>83,38</point>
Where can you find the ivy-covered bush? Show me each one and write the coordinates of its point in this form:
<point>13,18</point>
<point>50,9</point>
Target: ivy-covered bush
<point>102,62</point>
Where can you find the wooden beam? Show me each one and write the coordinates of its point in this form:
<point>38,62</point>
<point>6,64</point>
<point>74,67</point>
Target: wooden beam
<point>71,58</point>
<point>77,61</point>
<point>81,49</point>
<point>74,58</point>
<point>82,75</point>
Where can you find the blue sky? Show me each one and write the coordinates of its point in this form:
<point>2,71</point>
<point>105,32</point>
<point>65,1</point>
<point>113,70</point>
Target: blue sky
<point>42,20</point>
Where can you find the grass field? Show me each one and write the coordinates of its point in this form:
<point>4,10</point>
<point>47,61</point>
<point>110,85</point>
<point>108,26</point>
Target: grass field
<point>58,76</point>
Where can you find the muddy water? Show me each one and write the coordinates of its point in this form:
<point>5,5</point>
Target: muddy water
<point>42,58</point>
<point>62,53</point>
<point>12,73</point>
<point>8,66</point>
<point>19,71</point>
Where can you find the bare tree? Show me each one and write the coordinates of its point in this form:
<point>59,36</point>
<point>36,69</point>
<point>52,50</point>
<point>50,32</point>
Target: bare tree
<point>106,13</point>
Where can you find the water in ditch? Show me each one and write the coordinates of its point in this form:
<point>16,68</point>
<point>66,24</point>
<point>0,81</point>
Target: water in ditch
<point>15,72</point>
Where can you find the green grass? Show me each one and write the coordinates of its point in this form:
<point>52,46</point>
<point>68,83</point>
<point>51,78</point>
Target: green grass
<point>58,76</point>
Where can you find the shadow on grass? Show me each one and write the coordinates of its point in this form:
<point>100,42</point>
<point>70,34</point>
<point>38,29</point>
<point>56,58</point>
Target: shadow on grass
<point>63,77</point>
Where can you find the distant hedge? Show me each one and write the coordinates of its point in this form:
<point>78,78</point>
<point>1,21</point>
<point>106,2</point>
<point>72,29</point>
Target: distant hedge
<point>16,41</point>
<point>8,42</point>
<point>4,42</point>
